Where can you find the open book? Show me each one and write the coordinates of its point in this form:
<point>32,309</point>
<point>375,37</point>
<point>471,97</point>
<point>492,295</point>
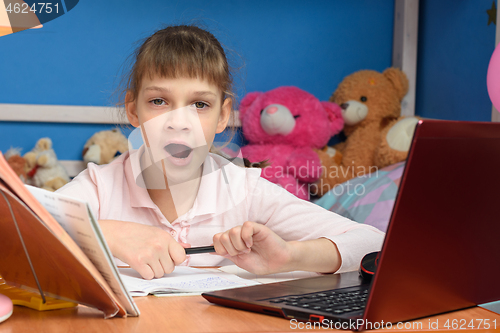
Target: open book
<point>52,243</point>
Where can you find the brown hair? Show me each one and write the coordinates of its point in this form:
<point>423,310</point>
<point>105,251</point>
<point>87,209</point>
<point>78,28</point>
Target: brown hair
<point>182,51</point>
<point>179,51</point>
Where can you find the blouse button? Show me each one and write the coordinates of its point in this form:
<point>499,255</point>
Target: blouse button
<point>173,232</point>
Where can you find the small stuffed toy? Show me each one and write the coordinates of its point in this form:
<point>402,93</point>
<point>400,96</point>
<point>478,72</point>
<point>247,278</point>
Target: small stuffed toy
<point>104,146</point>
<point>17,163</point>
<point>377,135</point>
<point>45,171</point>
<point>284,126</point>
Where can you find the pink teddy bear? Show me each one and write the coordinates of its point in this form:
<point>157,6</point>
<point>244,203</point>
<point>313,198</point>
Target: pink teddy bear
<point>284,126</point>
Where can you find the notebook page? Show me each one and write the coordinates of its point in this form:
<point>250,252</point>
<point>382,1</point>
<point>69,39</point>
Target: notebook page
<point>182,280</point>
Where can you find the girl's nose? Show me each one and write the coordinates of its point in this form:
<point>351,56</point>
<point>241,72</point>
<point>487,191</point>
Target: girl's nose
<point>178,120</point>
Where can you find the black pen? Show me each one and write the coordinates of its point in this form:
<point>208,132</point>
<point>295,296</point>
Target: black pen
<point>201,249</point>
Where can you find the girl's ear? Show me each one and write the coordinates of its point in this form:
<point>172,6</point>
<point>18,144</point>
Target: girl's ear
<point>224,115</point>
<point>131,108</point>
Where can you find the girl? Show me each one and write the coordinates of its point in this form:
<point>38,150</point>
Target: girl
<point>172,193</point>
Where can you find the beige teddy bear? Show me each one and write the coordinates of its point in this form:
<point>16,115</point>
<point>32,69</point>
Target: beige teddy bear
<point>104,146</point>
<point>44,170</point>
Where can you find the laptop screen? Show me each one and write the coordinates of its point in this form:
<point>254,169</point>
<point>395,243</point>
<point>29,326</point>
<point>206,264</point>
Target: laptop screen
<point>442,247</point>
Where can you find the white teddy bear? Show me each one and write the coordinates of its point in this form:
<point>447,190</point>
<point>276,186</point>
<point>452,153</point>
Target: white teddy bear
<point>45,170</point>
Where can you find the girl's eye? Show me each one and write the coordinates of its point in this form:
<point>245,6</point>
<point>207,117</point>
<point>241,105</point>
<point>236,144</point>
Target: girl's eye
<point>157,101</point>
<point>200,105</point>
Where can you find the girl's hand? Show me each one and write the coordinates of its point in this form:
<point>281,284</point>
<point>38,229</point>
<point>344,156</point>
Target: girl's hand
<point>257,249</point>
<point>149,250</point>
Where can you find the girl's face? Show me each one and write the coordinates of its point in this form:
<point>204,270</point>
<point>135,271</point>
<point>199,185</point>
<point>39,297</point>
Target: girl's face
<point>178,119</point>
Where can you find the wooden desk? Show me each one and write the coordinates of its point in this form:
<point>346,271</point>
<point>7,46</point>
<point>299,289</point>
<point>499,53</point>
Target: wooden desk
<point>185,314</point>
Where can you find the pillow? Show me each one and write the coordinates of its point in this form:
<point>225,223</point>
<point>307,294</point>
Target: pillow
<point>366,199</point>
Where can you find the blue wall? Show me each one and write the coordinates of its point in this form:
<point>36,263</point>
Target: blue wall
<point>75,59</point>
<point>455,45</point>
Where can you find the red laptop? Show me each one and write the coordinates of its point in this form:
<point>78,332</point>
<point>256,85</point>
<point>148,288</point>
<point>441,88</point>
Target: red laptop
<point>442,248</point>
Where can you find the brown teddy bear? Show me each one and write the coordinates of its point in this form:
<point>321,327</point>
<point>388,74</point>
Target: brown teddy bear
<point>377,135</point>
<point>104,146</point>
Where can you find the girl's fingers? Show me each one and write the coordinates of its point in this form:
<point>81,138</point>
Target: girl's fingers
<point>145,271</point>
<point>235,236</point>
<point>157,269</point>
<point>219,248</point>
<point>235,241</point>
<point>167,265</point>
<point>247,232</point>
<point>177,254</point>
<point>225,240</point>
<point>185,245</point>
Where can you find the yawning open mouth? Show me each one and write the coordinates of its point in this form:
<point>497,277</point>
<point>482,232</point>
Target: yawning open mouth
<point>178,150</point>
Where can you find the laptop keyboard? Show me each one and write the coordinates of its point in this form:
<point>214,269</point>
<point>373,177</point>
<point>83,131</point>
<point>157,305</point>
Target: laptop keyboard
<point>337,301</point>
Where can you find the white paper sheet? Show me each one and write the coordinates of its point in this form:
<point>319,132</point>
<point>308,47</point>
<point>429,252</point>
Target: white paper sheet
<point>270,278</point>
<point>182,280</point>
